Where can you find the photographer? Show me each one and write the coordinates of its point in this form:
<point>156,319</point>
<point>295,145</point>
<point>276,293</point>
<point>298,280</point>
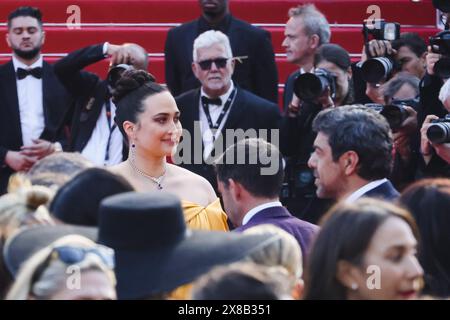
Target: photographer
<point>91,118</point>
<point>436,152</point>
<point>401,93</point>
<point>332,65</point>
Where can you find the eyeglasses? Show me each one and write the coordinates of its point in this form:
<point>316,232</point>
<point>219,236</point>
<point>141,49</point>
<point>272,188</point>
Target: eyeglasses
<point>219,62</point>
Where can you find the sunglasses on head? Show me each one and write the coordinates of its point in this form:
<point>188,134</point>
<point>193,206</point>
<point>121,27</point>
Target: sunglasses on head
<point>219,62</point>
<point>72,255</point>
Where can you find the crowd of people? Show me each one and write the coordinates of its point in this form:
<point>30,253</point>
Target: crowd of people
<point>204,188</point>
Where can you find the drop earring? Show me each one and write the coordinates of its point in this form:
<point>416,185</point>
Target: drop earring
<point>354,286</point>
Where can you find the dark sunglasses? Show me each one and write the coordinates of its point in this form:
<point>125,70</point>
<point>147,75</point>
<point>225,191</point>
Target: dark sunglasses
<point>219,62</point>
<point>72,255</point>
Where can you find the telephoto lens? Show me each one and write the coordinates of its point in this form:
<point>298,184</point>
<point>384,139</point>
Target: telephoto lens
<point>310,86</point>
<point>376,69</point>
<point>439,131</point>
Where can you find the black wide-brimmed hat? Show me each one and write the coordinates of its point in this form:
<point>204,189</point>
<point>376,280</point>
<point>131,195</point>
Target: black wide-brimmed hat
<point>77,202</point>
<point>155,252</point>
<point>30,240</point>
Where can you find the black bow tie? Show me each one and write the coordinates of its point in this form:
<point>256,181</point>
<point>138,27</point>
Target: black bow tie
<point>23,73</point>
<point>208,101</point>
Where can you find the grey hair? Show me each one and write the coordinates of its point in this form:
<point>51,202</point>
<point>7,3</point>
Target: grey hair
<point>54,277</point>
<point>314,22</point>
<point>391,87</point>
<point>210,38</point>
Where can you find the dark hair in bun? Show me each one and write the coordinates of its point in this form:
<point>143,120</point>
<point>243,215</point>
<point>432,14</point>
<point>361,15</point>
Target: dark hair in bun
<point>133,87</point>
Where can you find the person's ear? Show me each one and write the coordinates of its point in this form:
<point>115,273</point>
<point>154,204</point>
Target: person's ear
<point>8,41</point>
<point>235,189</point>
<point>347,275</point>
<point>130,130</point>
<point>298,290</point>
<point>195,69</point>
<point>349,162</point>
<point>314,41</point>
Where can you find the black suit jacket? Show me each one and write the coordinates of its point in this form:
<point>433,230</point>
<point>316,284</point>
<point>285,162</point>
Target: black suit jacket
<point>89,91</point>
<point>257,74</point>
<point>247,112</point>
<point>56,101</point>
<point>384,191</point>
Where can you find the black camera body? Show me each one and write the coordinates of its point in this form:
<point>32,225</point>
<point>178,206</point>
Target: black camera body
<point>394,113</point>
<point>440,44</point>
<point>439,131</point>
<point>310,86</point>
<point>115,73</point>
<point>378,68</point>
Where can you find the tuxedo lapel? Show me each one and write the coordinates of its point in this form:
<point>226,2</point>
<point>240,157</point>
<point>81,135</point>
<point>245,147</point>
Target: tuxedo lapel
<point>236,111</point>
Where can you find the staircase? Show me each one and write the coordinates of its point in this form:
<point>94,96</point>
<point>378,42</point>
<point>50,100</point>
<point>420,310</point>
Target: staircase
<point>146,23</point>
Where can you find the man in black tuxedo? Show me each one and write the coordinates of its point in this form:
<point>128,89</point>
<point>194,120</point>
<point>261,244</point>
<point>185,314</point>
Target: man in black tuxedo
<point>352,154</point>
<point>216,111</point>
<point>33,100</point>
<point>93,131</point>
<point>257,73</point>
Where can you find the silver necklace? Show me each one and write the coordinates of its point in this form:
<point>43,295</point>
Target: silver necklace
<point>158,180</point>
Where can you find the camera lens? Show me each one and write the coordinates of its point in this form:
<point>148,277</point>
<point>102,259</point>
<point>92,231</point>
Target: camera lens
<point>308,86</point>
<point>439,132</point>
<point>376,69</point>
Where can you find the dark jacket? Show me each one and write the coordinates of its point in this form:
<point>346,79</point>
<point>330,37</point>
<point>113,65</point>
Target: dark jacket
<point>257,73</point>
<point>247,112</point>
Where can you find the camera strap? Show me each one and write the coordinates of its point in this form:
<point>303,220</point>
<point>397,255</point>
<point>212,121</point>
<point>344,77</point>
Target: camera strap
<point>225,109</point>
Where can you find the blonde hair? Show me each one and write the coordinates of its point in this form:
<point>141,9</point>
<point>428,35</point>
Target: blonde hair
<point>285,252</point>
<point>25,206</point>
<point>54,277</point>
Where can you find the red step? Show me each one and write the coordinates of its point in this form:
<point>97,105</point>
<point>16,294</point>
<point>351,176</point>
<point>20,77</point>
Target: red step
<point>256,11</point>
<point>153,38</point>
<point>156,67</point>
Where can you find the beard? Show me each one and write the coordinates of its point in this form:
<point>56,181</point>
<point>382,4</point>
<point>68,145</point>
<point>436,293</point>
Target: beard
<point>29,54</point>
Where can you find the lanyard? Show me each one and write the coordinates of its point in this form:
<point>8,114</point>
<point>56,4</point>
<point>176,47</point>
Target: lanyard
<point>226,107</point>
<point>110,127</point>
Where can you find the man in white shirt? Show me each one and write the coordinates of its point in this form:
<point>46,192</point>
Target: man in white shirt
<point>352,154</point>
<point>33,101</point>
<point>93,131</point>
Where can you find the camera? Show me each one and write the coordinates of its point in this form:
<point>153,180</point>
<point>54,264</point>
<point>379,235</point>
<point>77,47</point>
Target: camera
<point>310,86</point>
<point>378,68</point>
<point>115,72</point>
<point>440,43</point>
<point>381,30</point>
<point>394,113</point>
<point>439,131</point>
<point>442,5</point>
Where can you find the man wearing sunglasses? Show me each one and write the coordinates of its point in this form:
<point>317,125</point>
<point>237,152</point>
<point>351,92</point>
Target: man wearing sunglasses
<point>218,105</point>
<point>257,73</point>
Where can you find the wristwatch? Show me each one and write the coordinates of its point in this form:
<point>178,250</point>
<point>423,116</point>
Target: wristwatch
<point>57,147</point>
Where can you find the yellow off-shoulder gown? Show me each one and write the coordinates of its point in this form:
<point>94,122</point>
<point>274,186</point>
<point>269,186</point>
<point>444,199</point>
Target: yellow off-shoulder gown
<point>197,217</point>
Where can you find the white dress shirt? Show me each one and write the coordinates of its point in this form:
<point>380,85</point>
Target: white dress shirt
<point>259,208</point>
<point>31,104</point>
<point>214,112</point>
<point>364,189</point>
<point>95,149</point>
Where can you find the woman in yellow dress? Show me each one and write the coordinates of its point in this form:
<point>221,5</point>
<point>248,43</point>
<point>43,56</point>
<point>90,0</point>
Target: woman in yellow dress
<point>148,117</point>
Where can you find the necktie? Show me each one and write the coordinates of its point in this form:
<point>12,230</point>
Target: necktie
<point>209,101</point>
<point>23,73</point>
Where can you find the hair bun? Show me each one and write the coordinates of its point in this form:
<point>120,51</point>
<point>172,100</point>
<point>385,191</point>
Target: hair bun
<point>130,81</point>
<point>36,196</point>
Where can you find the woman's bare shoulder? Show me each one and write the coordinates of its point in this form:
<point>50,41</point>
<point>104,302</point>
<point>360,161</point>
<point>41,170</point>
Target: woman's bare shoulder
<point>194,181</point>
